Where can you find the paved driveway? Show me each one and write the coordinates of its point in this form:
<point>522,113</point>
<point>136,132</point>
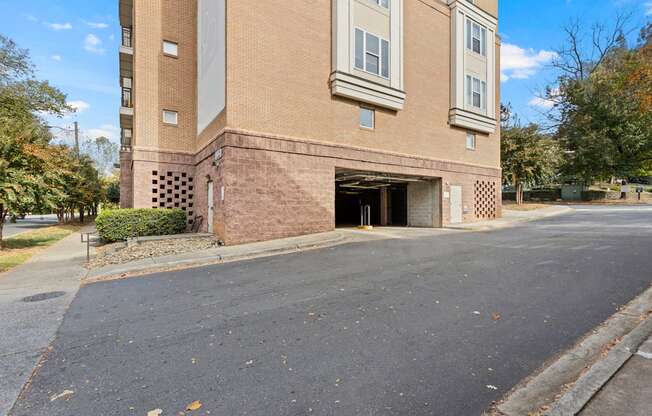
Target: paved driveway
<point>394,327</point>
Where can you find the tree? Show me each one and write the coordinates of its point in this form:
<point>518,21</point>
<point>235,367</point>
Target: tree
<point>528,157</point>
<point>602,103</point>
<point>26,156</point>
<point>112,185</point>
<point>103,152</point>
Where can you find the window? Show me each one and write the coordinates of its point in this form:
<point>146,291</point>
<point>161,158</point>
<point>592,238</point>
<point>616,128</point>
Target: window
<point>367,118</point>
<point>126,93</point>
<point>476,37</point>
<point>125,138</point>
<point>476,93</point>
<point>382,3</point>
<point>470,141</point>
<point>126,37</point>
<point>371,53</point>
<point>170,48</point>
<point>170,117</point>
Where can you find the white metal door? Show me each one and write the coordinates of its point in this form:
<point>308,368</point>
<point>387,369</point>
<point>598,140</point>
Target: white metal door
<point>211,207</point>
<point>456,204</point>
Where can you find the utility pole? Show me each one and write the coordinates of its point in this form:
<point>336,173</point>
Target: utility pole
<point>77,139</point>
<point>75,130</point>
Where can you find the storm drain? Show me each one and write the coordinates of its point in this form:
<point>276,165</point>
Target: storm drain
<point>43,296</point>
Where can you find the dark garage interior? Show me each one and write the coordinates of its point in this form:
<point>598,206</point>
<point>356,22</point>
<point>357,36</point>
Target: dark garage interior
<point>381,192</point>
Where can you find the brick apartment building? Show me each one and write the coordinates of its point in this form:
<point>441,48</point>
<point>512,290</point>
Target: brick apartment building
<point>267,119</point>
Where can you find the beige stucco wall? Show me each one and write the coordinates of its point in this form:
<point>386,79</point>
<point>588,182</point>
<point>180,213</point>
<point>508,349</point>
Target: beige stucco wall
<point>285,91</point>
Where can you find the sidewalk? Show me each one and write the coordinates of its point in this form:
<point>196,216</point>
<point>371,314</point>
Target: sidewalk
<point>28,326</point>
<point>511,218</point>
<point>629,392</point>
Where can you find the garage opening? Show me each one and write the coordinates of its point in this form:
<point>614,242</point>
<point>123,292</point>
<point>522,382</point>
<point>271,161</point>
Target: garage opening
<point>387,199</point>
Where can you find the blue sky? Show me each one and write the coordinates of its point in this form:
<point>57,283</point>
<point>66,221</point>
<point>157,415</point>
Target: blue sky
<point>74,44</point>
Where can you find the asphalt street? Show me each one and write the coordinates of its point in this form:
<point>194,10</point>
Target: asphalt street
<point>440,325</point>
<point>31,222</point>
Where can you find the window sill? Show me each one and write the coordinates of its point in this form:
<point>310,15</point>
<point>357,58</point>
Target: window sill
<point>472,121</point>
<point>365,91</point>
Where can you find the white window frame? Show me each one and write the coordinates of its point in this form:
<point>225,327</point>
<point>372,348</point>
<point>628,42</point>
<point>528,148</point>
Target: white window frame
<point>174,45</point>
<point>475,86</point>
<point>471,140</point>
<point>381,56</point>
<point>373,118</point>
<point>471,26</point>
<point>171,113</point>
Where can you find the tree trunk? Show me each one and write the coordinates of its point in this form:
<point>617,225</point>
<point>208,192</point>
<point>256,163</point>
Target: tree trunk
<point>519,193</point>
<point>3,214</point>
<point>81,214</point>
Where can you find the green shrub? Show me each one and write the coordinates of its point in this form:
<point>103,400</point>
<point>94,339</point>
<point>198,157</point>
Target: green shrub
<point>593,195</point>
<point>121,224</point>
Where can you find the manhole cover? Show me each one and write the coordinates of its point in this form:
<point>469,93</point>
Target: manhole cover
<point>43,296</point>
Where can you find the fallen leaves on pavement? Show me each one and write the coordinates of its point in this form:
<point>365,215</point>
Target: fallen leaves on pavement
<point>196,405</point>
<point>155,412</point>
<point>495,316</point>
<point>63,395</point>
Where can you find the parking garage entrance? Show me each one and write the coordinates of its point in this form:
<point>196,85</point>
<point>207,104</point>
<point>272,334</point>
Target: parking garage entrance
<point>382,199</point>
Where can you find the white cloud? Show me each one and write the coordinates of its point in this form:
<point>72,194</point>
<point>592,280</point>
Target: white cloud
<point>93,44</point>
<point>541,102</point>
<point>109,131</point>
<point>519,63</point>
<point>97,25</point>
<point>546,101</point>
<point>60,26</point>
<point>79,106</point>
<point>648,8</point>
<point>57,58</point>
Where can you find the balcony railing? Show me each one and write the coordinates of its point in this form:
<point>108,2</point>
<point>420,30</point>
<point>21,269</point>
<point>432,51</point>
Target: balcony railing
<point>126,37</point>
<point>126,98</point>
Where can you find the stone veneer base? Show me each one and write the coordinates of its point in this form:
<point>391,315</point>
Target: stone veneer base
<point>275,187</point>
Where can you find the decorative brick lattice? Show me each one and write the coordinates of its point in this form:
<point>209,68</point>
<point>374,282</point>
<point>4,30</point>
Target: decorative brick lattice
<point>174,190</point>
<point>485,199</point>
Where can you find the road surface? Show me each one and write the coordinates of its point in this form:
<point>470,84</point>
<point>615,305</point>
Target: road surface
<point>440,325</point>
<point>31,222</point>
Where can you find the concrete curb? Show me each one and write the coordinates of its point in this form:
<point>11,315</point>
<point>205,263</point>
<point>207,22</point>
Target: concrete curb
<point>122,271</point>
<point>564,386</point>
<point>601,372</point>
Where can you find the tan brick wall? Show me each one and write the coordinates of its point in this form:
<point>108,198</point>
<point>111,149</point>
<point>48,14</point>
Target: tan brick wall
<point>147,37</point>
<point>178,75</point>
<point>285,90</point>
<point>164,82</point>
<point>283,133</point>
